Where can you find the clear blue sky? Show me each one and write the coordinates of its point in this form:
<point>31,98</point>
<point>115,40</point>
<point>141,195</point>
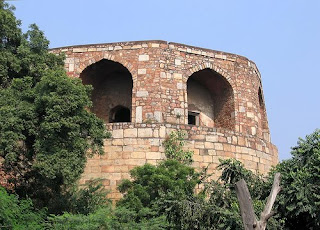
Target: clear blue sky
<point>281,36</point>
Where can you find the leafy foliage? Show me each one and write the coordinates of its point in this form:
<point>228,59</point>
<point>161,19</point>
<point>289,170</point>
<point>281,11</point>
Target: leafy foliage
<point>150,182</point>
<point>47,133</point>
<point>216,206</point>
<point>105,218</point>
<point>46,130</point>
<point>233,171</point>
<point>97,220</point>
<point>21,54</point>
<point>174,147</point>
<point>299,199</point>
<point>18,214</point>
<point>88,198</point>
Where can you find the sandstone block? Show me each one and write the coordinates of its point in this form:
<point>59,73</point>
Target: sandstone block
<point>158,116</point>
<point>218,146</point>
<point>199,145</point>
<point>154,142</point>
<point>71,67</point>
<point>152,162</point>
<point>107,168</point>
<point>246,157</point>
<point>139,114</point>
<point>211,138</point>
<point>145,132</point>
<point>153,155</point>
<point>142,93</point>
<point>128,148</point>
<point>253,130</point>
<point>95,169</point>
<point>142,71</point>
<point>177,76</point>
<point>144,57</point>
<point>197,158</point>
<point>207,159</point>
<point>250,114</point>
<point>130,133</point>
<point>209,145</point>
<point>117,142</point>
<point>79,50</point>
<point>117,133</point>
<point>154,148</point>
<point>227,147</point>
<point>138,155</point>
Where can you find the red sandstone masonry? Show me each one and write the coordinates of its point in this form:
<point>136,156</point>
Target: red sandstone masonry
<point>160,72</point>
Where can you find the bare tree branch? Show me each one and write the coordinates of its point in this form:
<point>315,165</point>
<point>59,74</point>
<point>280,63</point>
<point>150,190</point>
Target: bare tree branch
<point>266,214</point>
<point>246,208</point>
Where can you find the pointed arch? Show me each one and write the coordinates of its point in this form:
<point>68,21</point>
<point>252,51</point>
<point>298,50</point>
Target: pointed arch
<point>210,96</point>
<point>112,86</point>
<point>262,110</point>
<point>105,55</point>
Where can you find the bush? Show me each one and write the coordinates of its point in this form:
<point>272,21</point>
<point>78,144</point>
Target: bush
<point>19,214</point>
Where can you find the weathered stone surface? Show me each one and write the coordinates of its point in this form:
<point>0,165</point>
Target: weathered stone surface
<point>117,133</point>
<point>144,57</point>
<point>142,71</point>
<point>146,132</point>
<point>142,93</point>
<point>153,83</point>
<point>130,132</point>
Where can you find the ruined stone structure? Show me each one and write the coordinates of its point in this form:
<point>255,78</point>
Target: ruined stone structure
<point>144,90</point>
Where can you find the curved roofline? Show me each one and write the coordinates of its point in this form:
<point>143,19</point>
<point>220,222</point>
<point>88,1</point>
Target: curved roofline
<point>180,45</point>
<point>150,41</point>
<point>113,43</point>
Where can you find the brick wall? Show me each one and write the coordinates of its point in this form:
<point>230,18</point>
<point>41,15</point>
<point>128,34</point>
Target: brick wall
<point>237,126</point>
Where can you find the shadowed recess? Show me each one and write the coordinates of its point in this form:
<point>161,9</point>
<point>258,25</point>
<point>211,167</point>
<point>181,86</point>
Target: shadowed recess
<point>211,97</point>
<point>112,90</point>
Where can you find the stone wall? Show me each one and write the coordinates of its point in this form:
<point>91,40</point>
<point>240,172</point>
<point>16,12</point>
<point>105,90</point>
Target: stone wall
<point>160,72</point>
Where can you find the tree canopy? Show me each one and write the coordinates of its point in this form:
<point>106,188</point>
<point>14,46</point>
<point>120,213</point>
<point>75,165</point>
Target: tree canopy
<point>299,200</point>
<point>47,133</point>
<point>46,130</point>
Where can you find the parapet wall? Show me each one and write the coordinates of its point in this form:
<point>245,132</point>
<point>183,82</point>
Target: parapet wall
<point>136,144</point>
<point>216,97</point>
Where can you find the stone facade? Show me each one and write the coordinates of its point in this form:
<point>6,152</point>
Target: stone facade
<point>144,90</point>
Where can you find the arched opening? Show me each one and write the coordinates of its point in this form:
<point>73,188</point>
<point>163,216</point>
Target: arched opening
<point>210,100</point>
<point>112,90</point>
<point>119,114</point>
<point>261,104</point>
<point>262,110</point>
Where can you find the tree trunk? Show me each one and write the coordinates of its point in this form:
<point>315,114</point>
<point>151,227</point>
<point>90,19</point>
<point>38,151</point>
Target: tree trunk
<point>249,219</point>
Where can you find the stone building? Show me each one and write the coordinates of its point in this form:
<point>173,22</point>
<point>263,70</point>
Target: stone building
<point>144,90</point>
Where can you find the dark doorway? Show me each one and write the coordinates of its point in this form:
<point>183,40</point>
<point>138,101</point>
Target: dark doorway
<point>112,85</point>
<point>193,118</point>
<point>211,95</point>
<point>119,114</point>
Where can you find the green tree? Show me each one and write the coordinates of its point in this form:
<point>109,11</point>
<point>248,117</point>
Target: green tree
<point>21,54</point>
<point>19,214</point>
<point>299,199</point>
<point>105,218</point>
<point>10,40</point>
<point>150,182</point>
<point>174,147</point>
<point>46,130</point>
<point>173,177</point>
<point>88,198</point>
